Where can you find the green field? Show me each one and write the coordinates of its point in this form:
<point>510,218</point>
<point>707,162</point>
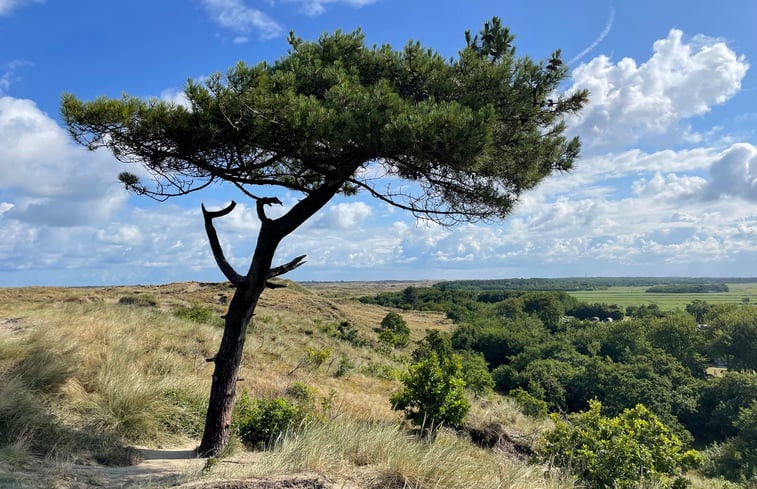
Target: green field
<point>627,296</point>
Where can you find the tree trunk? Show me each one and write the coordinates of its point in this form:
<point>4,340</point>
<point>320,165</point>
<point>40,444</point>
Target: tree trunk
<point>248,290</point>
<point>228,360</point>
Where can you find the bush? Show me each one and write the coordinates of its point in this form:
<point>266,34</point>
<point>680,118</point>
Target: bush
<point>736,458</point>
<point>199,314</point>
<point>505,378</point>
<point>344,366</point>
<point>528,404</point>
<point>395,323</point>
<point>394,331</point>
<point>475,373</point>
<point>618,452</point>
<point>347,332</point>
<point>138,300</point>
<point>434,393</point>
<point>261,422</point>
<point>393,340</point>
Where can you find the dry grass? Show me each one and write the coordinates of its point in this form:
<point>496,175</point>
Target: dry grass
<point>383,455</point>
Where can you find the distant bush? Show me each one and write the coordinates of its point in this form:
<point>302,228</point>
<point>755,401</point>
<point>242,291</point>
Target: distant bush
<point>584,310</point>
<point>475,373</point>
<point>138,300</point>
<point>344,366</point>
<point>347,332</point>
<point>394,331</point>
<point>528,404</point>
<point>199,313</point>
<point>380,371</point>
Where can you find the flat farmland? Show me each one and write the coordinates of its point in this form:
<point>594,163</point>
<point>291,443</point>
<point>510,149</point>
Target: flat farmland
<point>627,296</point>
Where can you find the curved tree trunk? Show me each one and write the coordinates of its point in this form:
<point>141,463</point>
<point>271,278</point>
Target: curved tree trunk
<point>228,360</point>
<point>248,290</point>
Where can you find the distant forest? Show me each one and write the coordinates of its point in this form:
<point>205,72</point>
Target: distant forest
<point>590,283</point>
<point>687,288</point>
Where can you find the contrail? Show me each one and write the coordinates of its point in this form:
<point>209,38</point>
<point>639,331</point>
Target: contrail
<point>599,39</point>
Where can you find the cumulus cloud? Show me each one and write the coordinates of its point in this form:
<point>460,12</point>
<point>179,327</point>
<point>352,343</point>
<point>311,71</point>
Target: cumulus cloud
<point>734,174</point>
<point>7,6</point>
<point>630,102</point>
<point>236,16</point>
<point>344,215</point>
<point>46,177</point>
<point>669,186</point>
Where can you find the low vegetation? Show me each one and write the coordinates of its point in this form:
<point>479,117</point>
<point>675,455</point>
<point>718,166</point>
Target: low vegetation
<point>85,376</point>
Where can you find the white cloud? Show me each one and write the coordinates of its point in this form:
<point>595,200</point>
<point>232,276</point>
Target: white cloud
<point>343,215</point>
<point>10,76</point>
<point>669,187</point>
<point>50,179</point>
<point>630,102</point>
<point>7,6</point>
<point>236,16</point>
<point>734,174</point>
<point>317,7</point>
<point>176,96</point>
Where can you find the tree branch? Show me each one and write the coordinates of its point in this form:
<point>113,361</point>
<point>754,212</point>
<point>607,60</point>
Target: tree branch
<point>287,267</point>
<point>264,201</point>
<point>215,245</point>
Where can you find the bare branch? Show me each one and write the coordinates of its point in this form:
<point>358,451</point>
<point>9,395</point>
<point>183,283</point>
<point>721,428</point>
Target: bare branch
<point>287,267</point>
<point>215,245</point>
<point>264,201</point>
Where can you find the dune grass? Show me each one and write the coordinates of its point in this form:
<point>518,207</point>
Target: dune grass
<point>382,454</point>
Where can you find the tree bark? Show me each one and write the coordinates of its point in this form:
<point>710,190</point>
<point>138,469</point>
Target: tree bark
<point>228,360</point>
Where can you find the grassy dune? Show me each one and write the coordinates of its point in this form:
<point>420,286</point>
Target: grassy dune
<point>86,373</point>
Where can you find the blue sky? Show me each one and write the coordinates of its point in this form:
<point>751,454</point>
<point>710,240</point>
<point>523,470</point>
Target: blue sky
<point>666,184</point>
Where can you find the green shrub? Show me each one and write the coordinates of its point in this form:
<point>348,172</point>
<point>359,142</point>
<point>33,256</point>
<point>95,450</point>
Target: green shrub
<point>393,340</point>
<point>380,371</point>
<point>344,366</point>
<point>434,393</point>
<point>261,422</point>
<point>528,404</point>
<point>736,458</point>
<point>138,300</point>
<point>199,314</point>
<point>303,394</point>
<point>394,331</point>
<point>316,357</point>
<point>618,452</point>
<point>505,378</point>
<point>345,331</point>
<point>476,374</point>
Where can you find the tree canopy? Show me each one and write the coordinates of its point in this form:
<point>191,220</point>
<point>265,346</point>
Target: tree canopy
<point>470,133</point>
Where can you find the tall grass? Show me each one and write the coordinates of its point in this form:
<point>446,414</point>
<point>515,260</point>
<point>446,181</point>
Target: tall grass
<point>88,377</point>
<point>385,455</point>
